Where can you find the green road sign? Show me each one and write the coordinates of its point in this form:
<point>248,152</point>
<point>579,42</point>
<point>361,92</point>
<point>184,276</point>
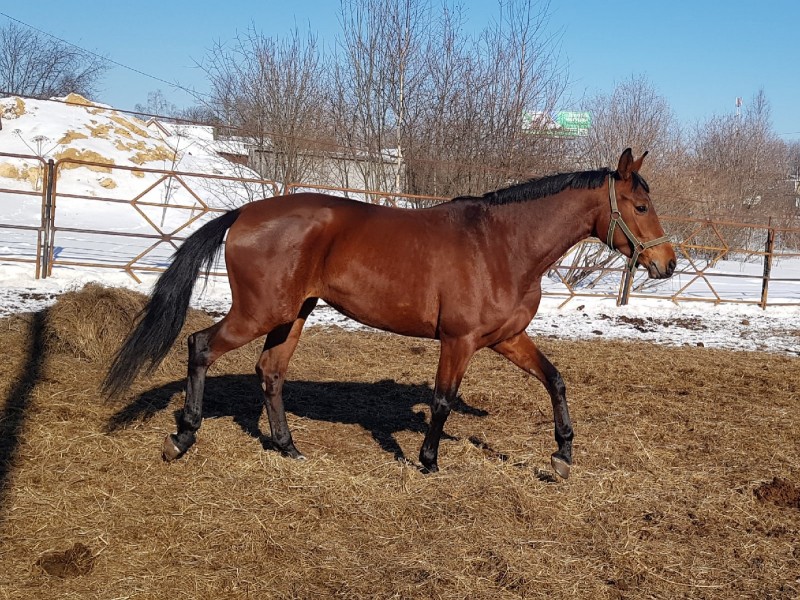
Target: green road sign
<point>574,122</point>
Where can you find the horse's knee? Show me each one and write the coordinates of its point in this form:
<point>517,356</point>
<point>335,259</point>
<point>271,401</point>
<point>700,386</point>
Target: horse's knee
<point>440,405</point>
<point>271,383</point>
<point>270,378</point>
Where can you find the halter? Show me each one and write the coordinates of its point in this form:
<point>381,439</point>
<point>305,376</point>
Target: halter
<point>616,220</point>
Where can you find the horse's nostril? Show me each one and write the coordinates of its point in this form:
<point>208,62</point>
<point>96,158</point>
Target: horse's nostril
<point>671,267</point>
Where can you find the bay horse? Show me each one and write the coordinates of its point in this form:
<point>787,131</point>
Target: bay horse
<point>465,272</point>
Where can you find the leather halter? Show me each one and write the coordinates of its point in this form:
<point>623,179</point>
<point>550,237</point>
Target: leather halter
<point>617,221</point>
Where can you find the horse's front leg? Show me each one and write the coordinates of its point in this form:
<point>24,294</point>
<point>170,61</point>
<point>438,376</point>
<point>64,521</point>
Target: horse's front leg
<point>521,351</point>
<point>453,360</point>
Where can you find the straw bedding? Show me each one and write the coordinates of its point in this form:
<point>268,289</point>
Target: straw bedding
<point>686,480</point>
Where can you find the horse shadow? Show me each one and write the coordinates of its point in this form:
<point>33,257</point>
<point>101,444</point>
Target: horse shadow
<point>383,408</point>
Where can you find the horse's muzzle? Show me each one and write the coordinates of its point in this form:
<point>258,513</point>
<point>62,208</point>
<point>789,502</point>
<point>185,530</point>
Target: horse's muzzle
<point>659,270</point>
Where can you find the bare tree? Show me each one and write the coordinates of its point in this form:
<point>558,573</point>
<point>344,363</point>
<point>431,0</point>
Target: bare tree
<point>744,164</point>
<point>634,115</point>
<point>376,77</point>
<point>793,157</point>
<point>451,105</point>
<point>200,113</point>
<point>34,64</point>
<point>271,91</point>
<point>478,90</point>
<point>158,105</point>
<point>524,74</point>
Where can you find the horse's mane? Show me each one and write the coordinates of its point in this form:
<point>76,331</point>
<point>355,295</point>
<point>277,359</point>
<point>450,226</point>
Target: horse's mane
<point>551,184</point>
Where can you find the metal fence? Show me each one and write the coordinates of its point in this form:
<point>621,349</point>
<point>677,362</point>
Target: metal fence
<point>718,261</point>
<point>136,232</point>
<point>24,239</point>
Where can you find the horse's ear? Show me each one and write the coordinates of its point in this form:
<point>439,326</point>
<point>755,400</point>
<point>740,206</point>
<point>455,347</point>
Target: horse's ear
<point>625,166</point>
<point>637,164</point>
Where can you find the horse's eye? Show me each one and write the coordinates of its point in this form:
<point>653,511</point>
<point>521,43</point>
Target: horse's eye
<point>641,209</point>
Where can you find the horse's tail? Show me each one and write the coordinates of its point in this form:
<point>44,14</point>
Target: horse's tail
<point>163,316</point>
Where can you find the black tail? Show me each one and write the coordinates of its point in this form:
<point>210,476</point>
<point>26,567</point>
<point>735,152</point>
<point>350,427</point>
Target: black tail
<point>162,318</point>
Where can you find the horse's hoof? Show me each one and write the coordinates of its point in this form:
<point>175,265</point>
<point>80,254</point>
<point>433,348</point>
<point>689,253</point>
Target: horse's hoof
<point>170,450</point>
<point>560,466</point>
<point>429,469</point>
<point>294,453</point>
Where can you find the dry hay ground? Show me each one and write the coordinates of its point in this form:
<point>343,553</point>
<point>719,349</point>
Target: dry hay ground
<point>686,482</point>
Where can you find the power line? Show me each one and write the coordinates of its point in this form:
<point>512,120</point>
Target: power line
<point>193,93</point>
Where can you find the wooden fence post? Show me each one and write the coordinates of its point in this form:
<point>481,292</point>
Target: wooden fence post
<point>625,288</point>
<point>769,250</point>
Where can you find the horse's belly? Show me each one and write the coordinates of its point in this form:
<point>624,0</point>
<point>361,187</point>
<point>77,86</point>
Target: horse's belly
<point>386,313</point>
<point>384,296</point>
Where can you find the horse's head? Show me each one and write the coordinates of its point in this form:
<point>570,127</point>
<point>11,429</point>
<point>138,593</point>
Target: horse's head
<point>632,224</point>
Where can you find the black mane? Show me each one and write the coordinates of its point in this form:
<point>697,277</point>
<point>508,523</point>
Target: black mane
<point>551,184</point>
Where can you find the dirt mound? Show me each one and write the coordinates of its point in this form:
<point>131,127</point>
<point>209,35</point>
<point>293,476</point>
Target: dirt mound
<point>73,562</point>
<point>780,492</point>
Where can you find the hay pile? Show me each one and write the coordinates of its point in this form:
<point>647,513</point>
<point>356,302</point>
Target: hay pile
<point>685,459</point>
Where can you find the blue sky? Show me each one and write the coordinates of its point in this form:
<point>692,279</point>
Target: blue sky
<point>698,54</point>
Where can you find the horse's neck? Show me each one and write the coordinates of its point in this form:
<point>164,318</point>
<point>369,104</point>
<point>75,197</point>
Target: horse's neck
<point>544,229</point>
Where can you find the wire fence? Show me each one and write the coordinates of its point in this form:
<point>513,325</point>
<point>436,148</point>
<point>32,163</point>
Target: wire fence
<point>144,214</point>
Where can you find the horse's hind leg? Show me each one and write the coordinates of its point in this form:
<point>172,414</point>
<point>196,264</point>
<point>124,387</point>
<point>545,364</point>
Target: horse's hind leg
<point>271,368</point>
<point>205,347</point>
<point>521,351</point>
